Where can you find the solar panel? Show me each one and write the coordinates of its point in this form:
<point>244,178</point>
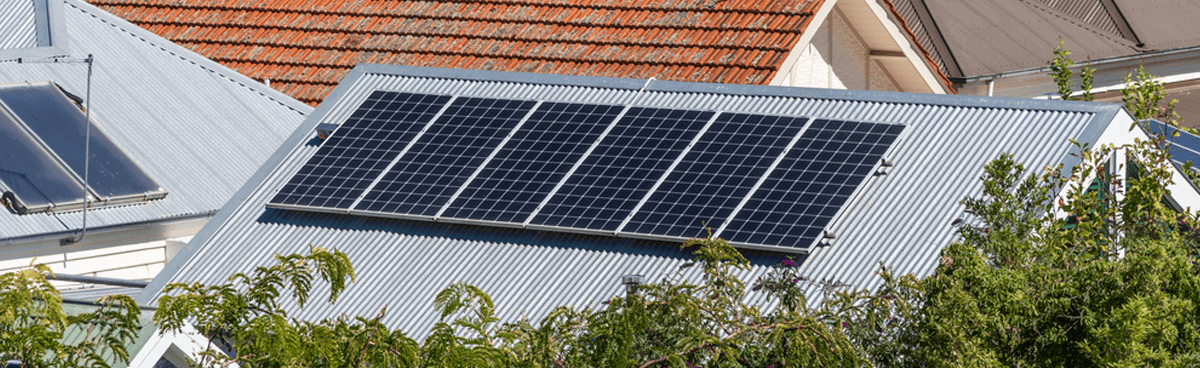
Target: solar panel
<point>360,149</point>
<point>532,162</point>
<point>812,182</point>
<point>622,168</point>
<point>442,160</point>
<point>1184,147</point>
<point>713,178</point>
<point>34,178</point>
<point>62,127</point>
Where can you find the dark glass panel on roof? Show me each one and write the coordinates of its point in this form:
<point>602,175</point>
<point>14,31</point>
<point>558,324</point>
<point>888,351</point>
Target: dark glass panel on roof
<point>533,162</point>
<point>60,124</point>
<point>445,156</point>
<point>710,181</point>
<point>814,180</point>
<point>360,149</point>
<point>1183,148</point>
<point>30,173</point>
<point>623,167</point>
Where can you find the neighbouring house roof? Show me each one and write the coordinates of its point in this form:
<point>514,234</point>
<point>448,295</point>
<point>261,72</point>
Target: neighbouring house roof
<point>198,128</point>
<point>75,335</point>
<point>1021,34</point>
<point>306,48</point>
<point>901,219</point>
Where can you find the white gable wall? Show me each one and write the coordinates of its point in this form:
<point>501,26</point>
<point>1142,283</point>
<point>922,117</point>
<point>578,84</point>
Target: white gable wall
<point>837,58</point>
<point>856,44</point>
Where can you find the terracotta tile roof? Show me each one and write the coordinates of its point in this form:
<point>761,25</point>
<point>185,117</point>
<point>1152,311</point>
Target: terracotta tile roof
<point>305,47</point>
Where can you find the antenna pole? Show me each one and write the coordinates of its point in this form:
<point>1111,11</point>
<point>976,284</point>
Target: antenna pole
<point>87,144</point>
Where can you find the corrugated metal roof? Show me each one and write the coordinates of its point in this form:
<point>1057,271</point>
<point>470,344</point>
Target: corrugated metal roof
<point>94,293</point>
<point>198,128</point>
<point>1019,35</point>
<point>17,24</point>
<point>1091,12</point>
<point>1163,24</point>
<point>902,219</point>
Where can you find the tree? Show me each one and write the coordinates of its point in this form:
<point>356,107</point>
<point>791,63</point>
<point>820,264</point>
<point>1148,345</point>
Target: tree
<point>1142,94</point>
<point>1060,70</point>
<point>1115,282</point>
<point>247,326</point>
<point>33,324</point>
<point>678,323</point>
<point>671,323</point>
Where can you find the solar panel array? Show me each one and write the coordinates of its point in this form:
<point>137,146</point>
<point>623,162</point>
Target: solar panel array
<point>753,179</point>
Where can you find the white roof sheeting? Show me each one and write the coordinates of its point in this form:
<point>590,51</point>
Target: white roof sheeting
<point>198,128</point>
<point>17,26</point>
<point>902,218</point>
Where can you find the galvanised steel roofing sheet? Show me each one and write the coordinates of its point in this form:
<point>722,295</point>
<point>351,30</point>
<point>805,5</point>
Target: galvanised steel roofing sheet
<point>17,24</point>
<point>901,219</point>
<point>198,128</point>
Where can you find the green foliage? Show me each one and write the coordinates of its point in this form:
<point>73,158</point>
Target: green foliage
<point>33,324</point>
<point>1143,96</point>
<point>677,323</point>
<point>1104,279</point>
<point>1060,70</point>
<point>244,318</point>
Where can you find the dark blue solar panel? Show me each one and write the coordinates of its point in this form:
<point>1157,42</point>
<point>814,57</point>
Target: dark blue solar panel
<point>31,173</point>
<point>360,149</point>
<point>532,162</point>
<point>1183,148</point>
<point>707,185</point>
<point>445,156</point>
<point>622,168</point>
<point>60,124</point>
<point>801,196</point>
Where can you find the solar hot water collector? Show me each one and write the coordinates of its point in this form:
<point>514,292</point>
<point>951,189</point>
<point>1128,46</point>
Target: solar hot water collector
<point>42,159</point>
<point>757,180</point>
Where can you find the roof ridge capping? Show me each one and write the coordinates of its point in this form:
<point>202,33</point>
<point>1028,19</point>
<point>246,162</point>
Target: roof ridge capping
<point>659,85</point>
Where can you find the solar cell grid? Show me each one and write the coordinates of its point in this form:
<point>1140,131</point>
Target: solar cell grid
<point>707,185</point>
<point>803,194</point>
<point>532,162</point>
<point>358,151</point>
<point>444,157</point>
<point>622,168</point>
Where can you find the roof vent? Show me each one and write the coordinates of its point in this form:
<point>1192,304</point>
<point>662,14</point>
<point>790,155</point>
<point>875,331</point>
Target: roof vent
<point>325,129</point>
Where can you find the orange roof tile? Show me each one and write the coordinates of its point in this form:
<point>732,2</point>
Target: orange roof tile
<point>306,47</point>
